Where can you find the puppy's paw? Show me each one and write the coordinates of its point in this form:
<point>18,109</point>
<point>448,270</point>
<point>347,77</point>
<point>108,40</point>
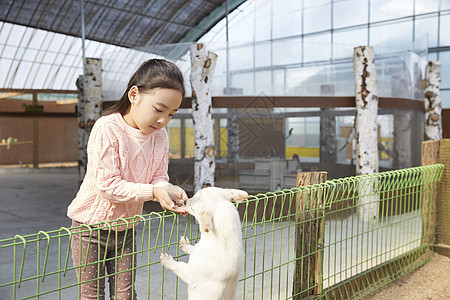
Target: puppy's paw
<point>184,245</point>
<point>184,241</point>
<point>165,258</point>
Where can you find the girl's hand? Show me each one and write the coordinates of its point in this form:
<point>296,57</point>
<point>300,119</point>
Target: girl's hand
<point>171,198</point>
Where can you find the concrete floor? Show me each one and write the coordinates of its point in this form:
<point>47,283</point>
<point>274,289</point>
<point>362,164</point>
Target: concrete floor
<point>35,199</point>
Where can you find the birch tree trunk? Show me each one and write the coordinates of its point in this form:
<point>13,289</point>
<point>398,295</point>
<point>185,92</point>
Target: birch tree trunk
<point>233,137</point>
<point>90,105</point>
<point>327,129</point>
<point>82,151</point>
<point>433,109</point>
<point>202,70</point>
<point>366,130</point>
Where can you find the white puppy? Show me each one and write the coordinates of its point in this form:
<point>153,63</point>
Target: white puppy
<point>216,260</point>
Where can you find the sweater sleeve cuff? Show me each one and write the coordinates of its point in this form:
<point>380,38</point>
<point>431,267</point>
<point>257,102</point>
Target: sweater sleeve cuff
<point>161,184</point>
<point>146,192</point>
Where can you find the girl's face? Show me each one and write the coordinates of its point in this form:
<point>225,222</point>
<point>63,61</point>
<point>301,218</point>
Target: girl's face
<point>152,110</point>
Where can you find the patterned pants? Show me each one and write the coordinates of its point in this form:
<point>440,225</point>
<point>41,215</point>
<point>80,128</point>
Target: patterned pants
<point>88,249</point>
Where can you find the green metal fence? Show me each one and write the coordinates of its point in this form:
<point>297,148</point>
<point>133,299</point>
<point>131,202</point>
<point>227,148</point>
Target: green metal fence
<point>341,239</point>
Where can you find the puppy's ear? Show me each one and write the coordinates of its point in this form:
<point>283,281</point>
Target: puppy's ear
<point>205,220</point>
<point>235,195</point>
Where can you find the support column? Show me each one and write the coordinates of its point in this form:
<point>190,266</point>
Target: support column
<point>433,109</point>
<point>402,139</point>
<point>202,69</point>
<point>402,150</point>
<point>90,103</point>
<point>82,151</point>
<point>233,137</point>
<point>366,127</point>
<point>327,130</point>
<point>35,135</point>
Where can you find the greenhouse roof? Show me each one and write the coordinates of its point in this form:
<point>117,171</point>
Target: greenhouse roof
<point>41,40</point>
<point>129,24</point>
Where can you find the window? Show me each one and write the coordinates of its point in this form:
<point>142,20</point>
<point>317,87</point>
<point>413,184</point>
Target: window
<point>315,11</point>
<point>350,12</point>
<point>387,35</point>
<point>427,27</point>
<point>382,10</point>
<point>444,34</point>
<point>345,40</point>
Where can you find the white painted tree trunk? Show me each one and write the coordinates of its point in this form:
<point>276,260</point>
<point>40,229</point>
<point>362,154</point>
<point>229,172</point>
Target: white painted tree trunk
<point>233,137</point>
<point>90,106</point>
<point>202,69</point>
<point>433,102</point>
<point>82,151</point>
<point>366,129</point>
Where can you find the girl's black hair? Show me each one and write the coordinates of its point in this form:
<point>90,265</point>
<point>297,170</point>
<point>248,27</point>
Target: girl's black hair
<point>151,74</point>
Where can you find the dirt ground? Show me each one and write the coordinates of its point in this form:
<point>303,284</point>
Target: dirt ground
<point>429,282</point>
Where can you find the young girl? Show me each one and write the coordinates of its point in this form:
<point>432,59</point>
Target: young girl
<point>127,165</point>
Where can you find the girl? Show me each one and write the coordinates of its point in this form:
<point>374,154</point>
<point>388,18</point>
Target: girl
<point>127,165</point>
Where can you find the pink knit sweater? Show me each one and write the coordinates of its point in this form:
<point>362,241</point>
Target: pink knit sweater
<point>123,165</point>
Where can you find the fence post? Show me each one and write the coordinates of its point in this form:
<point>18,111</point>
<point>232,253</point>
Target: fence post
<point>443,215</point>
<point>430,155</point>
<point>308,237</point>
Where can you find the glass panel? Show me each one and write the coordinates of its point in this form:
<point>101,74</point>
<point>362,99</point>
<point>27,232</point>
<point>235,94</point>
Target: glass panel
<point>445,4</point>
<point>242,29</point>
<point>350,12</point>
<point>5,64</point>
<point>287,24</point>
<point>241,57</point>
<point>387,35</point>
<point>39,81</point>
<point>432,56</point>
<point>345,40</point>
<point>244,81</point>
<point>297,138</point>
<point>317,47</point>
<point>287,52</point>
<point>445,96</point>
<point>313,14</point>
<point>8,52</point>
<point>381,10</point>
<point>16,31</point>
<point>263,82</point>
<point>444,57</point>
<point>26,36</point>
<point>49,57</point>
<point>299,81</point>
<point>312,132</point>
<point>426,6</point>
<point>262,20</point>
<point>173,130</point>
<point>427,27</point>
<point>263,55</point>
<point>4,33</point>
<point>279,82</point>
<point>444,31</point>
